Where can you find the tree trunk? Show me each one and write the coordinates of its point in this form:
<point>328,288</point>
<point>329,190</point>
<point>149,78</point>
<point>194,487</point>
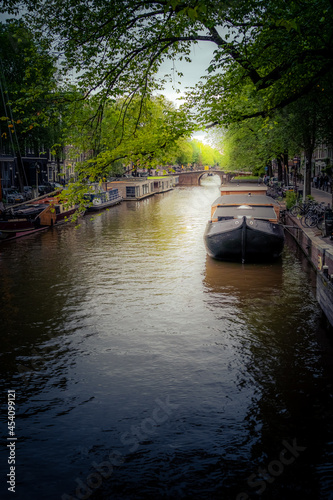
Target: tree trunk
<point>58,170</point>
<point>270,169</point>
<point>280,173</point>
<point>285,168</point>
<point>307,175</point>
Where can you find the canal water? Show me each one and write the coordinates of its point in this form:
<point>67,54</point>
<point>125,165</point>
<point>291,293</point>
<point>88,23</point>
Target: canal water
<point>143,369</point>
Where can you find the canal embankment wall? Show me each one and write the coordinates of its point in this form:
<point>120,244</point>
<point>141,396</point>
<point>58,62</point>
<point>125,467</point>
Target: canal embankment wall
<point>319,251</point>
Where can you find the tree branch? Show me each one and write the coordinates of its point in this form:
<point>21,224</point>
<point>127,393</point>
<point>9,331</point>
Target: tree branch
<point>284,102</point>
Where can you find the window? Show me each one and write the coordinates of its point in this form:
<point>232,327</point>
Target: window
<point>130,191</point>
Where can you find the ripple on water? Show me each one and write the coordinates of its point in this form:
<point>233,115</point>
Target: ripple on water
<point>126,320</point>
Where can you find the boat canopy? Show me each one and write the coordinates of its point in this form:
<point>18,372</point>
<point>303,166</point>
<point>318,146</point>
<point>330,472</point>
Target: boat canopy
<point>254,211</point>
<point>245,199</point>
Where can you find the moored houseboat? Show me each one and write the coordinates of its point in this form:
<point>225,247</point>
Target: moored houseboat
<point>100,200</point>
<point>20,221</point>
<point>243,189</point>
<point>54,212</point>
<point>244,228</point>
<point>37,215</point>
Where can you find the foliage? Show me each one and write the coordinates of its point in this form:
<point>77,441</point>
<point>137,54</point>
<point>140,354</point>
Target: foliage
<point>291,199</point>
<point>270,57</point>
<point>147,138</point>
<point>251,144</point>
<point>204,154</point>
<point>267,53</point>
<point>30,103</point>
<point>184,154</point>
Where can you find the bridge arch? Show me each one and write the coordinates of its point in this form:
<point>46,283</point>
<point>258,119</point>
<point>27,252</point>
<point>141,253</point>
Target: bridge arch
<point>193,177</point>
<point>212,172</point>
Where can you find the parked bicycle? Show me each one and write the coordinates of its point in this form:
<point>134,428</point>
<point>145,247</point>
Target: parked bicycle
<point>300,209</point>
<point>315,216</point>
<point>275,191</point>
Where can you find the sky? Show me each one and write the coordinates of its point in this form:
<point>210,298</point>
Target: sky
<point>201,56</point>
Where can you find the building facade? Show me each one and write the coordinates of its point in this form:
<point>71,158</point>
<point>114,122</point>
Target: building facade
<point>322,158</point>
<point>38,168</point>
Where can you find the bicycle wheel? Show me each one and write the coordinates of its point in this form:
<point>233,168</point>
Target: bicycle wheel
<point>295,210</point>
<point>310,220</point>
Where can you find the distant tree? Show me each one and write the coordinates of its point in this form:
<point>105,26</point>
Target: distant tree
<point>250,145</point>
<point>184,154</point>
<point>147,137</point>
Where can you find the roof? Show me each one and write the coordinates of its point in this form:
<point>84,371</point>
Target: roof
<point>256,212</point>
<point>244,187</point>
<point>244,199</point>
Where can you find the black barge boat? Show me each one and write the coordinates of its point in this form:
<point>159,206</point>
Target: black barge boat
<point>244,228</point>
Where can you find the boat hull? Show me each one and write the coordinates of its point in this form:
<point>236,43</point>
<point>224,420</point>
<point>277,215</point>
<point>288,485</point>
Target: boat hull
<point>31,218</point>
<point>10,234</point>
<point>20,222</point>
<point>244,240</point>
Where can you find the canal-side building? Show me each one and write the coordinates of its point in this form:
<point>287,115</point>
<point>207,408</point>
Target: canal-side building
<point>40,166</point>
<point>7,170</point>
<point>165,183</point>
<point>35,169</point>
<point>322,158</point>
<point>133,188</point>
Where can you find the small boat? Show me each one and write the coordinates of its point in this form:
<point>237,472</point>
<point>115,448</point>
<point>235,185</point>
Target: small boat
<point>103,199</point>
<point>36,215</point>
<point>53,211</point>
<point>20,221</point>
<point>244,228</point>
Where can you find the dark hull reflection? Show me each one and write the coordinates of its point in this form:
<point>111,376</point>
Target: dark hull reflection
<point>243,280</point>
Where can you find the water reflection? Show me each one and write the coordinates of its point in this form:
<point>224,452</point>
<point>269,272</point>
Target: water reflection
<point>127,310</point>
<point>243,281</point>
<point>282,360</point>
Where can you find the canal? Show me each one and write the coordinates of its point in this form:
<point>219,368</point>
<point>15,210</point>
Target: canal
<point>142,369</point>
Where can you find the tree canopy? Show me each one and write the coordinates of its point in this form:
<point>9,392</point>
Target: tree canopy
<point>268,53</point>
<point>29,99</point>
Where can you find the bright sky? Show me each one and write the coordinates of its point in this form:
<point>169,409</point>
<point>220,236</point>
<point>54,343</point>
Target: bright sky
<point>201,56</point>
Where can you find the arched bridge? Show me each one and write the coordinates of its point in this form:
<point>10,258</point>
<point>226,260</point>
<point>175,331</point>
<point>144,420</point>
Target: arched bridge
<point>193,177</point>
